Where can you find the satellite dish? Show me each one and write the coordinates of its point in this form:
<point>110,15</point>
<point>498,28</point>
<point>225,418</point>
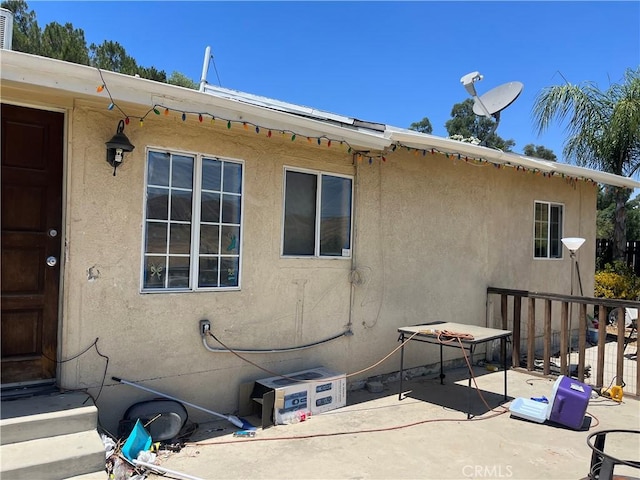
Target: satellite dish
<point>494,101</point>
<point>497,99</point>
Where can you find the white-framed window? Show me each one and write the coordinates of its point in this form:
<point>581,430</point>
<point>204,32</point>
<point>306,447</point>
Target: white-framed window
<point>192,222</point>
<point>547,229</point>
<point>317,214</point>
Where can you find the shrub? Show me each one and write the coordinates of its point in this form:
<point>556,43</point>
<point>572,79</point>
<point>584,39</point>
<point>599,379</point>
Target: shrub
<point>617,280</point>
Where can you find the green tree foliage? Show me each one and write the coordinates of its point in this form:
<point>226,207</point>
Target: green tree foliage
<point>467,124</point>
<point>64,42</point>
<point>605,219</point>
<point>539,151</point>
<point>603,132</point>
<point>152,73</point>
<point>177,78</point>
<point>112,56</point>
<point>423,126</point>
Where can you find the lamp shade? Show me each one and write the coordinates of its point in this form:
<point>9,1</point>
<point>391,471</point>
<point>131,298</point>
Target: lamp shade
<point>573,243</point>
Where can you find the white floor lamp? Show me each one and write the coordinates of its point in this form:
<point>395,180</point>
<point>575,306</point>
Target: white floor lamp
<point>573,244</point>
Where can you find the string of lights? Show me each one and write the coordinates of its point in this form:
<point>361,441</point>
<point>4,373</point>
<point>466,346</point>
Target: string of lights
<point>359,155</point>
<point>571,180</point>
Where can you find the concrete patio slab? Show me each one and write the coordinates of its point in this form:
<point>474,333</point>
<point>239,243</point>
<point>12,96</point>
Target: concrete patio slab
<point>426,435</point>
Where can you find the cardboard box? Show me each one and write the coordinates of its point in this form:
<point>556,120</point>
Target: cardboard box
<point>317,390</point>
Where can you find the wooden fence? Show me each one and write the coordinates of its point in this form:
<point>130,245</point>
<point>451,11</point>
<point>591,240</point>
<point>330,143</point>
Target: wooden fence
<point>518,313</point>
<point>604,253</point>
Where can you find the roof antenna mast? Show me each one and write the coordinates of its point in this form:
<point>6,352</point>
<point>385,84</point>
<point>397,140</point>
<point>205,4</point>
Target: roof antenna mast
<point>205,68</point>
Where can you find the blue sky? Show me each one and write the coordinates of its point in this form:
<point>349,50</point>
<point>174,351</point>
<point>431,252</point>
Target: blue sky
<point>387,62</point>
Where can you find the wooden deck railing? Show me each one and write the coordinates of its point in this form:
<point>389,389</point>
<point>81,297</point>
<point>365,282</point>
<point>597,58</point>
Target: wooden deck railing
<point>524,334</point>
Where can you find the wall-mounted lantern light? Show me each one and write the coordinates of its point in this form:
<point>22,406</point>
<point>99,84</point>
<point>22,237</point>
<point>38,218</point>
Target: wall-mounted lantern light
<point>117,146</point>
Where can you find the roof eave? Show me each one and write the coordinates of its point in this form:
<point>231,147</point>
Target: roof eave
<point>74,79</point>
<point>421,140</point>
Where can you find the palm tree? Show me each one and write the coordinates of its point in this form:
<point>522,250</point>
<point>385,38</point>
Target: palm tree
<point>603,132</point>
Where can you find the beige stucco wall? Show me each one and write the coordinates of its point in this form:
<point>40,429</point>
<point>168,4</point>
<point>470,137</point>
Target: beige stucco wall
<point>430,235</point>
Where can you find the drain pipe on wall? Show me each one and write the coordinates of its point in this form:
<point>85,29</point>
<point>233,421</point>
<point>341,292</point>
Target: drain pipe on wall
<point>353,274</point>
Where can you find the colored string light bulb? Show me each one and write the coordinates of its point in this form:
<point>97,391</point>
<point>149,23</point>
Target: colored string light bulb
<point>293,137</point>
<point>257,129</point>
<point>245,126</point>
<point>100,88</point>
<point>156,111</point>
<point>319,141</point>
<point>213,119</point>
<point>126,120</point>
<point>110,107</point>
<point>184,116</point>
<point>269,134</point>
<point>142,122</point>
<point>329,143</point>
<point>229,124</point>
<point>166,112</point>
<point>200,117</point>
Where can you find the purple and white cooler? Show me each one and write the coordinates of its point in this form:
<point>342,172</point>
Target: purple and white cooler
<point>568,403</point>
<point>567,406</point>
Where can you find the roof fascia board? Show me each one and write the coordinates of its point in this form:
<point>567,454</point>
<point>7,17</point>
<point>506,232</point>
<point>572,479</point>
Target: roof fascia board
<point>422,140</point>
<point>82,80</point>
<point>598,176</point>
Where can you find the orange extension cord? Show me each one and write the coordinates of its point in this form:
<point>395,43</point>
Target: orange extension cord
<point>443,336</point>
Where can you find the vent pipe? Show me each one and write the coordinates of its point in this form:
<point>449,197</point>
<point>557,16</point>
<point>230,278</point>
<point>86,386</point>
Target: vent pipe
<point>6,28</point>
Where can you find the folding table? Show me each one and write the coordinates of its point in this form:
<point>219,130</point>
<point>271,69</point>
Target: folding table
<point>475,335</point>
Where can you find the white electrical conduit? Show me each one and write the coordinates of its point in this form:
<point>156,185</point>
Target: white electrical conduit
<point>164,470</point>
<point>267,350</point>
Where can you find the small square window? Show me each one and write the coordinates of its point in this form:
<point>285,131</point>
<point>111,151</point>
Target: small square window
<point>317,214</point>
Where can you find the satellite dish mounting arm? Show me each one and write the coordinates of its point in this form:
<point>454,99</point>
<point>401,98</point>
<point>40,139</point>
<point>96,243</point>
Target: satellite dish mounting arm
<point>468,81</point>
<point>496,116</point>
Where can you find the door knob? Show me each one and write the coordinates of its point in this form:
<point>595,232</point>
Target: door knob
<point>52,261</point>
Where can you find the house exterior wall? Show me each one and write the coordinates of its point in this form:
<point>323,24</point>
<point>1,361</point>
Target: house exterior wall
<point>430,234</point>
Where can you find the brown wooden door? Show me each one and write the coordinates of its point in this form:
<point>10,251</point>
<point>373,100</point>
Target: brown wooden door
<point>32,149</point>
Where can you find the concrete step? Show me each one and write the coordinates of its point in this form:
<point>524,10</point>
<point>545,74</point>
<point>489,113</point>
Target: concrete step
<point>61,456</point>
<point>43,416</point>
